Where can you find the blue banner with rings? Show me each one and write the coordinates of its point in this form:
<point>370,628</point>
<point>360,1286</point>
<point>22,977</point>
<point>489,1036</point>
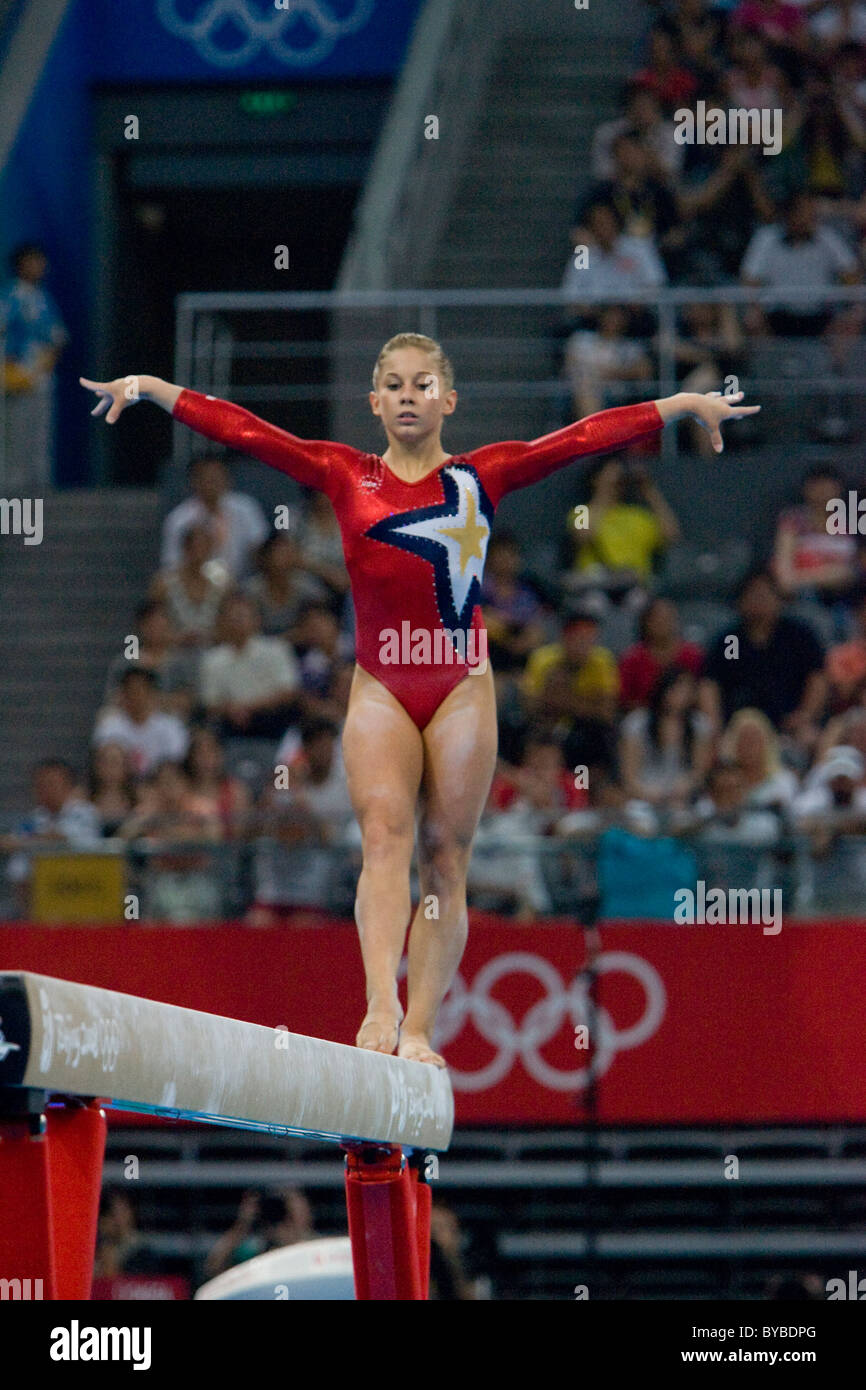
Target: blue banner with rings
<point>214,40</point>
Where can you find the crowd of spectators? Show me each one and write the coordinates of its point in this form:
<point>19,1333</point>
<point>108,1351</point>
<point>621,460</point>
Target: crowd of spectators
<point>222,725</point>
<point>666,206</point>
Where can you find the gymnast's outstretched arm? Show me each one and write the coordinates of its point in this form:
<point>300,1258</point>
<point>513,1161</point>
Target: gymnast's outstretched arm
<point>309,461</point>
<point>513,464</point>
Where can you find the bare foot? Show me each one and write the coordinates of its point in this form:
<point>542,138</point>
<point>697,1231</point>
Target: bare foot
<point>415,1047</point>
<point>381,1028</point>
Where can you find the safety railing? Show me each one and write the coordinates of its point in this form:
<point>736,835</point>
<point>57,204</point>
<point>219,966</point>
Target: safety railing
<point>588,874</point>
<point>506,344</point>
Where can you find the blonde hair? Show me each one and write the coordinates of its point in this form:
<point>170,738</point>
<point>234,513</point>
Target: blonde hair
<point>757,719</point>
<point>444,369</point>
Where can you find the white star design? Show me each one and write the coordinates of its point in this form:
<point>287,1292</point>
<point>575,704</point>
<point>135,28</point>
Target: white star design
<point>463,535</point>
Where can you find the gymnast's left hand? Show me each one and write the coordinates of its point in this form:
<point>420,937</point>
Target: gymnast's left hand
<point>711,411</point>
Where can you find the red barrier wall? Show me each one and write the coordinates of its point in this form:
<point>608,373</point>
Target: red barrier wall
<point>695,1024</point>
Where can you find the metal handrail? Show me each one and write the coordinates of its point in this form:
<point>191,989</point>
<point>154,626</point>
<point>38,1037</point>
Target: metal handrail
<point>340,384</point>
<point>449,46</point>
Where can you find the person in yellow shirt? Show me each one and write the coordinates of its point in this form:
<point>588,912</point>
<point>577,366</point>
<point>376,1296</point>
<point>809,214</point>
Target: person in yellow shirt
<point>571,689</point>
<point>617,537</point>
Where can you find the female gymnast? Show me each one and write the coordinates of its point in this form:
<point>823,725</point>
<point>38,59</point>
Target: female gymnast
<point>420,733</point>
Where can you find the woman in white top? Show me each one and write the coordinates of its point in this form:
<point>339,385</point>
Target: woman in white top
<point>665,750</point>
<point>751,742</point>
<point>193,592</point>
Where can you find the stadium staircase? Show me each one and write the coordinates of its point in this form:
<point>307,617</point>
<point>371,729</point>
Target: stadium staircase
<point>551,75</point>
<point>75,594</point>
<point>27,31</point>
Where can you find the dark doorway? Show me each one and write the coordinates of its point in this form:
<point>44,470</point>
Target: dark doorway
<point>173,241</point>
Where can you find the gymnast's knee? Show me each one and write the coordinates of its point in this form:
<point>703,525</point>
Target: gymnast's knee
<point>443,858</point>
<point>385,835</point>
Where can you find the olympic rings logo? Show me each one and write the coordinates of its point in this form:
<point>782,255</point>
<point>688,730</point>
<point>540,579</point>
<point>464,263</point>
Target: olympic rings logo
<point>269,28</point>
<point>544,1019</point>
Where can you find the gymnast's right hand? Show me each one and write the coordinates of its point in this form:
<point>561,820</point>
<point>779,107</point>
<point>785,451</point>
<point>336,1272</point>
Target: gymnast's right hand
<point>115,396</point>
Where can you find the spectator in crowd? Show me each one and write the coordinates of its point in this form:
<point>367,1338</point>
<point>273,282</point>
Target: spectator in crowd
<point>833,799</point>
<point>193,591</point>
<point>837,24</point>
<point>179,884</point>
<point>237,521</point>
<point>724,814</point>
<point>215,793</point>
<point>111,785</point>
<point>541,783</point>
<point>664,75</point>
<point>797,250</point>
<point>613,264</point>
<point>846,664</point>
<point>175,671</point>
<point>571,687</point>
<point>665,750</point>
<point>751,742</point>
<point>513,613</point>
<point>280,585</point>
<point>265,1221</point>
<point>121,1249</point>
<point>781,25</point>
<point>722,197</point>
<point>810,562</point>
<point>645,203</point>
<point>312,815</point>
<point>660,649</point>
<point>768,662</point>
<point>249,683</point>
<point>61,816</point>
<point>825,143</point>
<point>624,529</point>
<point>848,74</point>
<point>34,339</point>
<point>752,80</point>
<point>321,548</point>
<point>324,660</point>
<point>528,800</point>
<point>642,117</point>
<point>846,730</point>
<point>797,1287</point>
<point>604,364</point>
<point>137,723</point>
<point>696,31</point>
<point>169,809</point>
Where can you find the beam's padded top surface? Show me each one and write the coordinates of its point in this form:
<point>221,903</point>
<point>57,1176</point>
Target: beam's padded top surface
<point>142,1055</point>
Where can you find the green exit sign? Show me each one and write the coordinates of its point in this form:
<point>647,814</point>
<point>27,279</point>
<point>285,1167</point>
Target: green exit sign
<point>268,103</point>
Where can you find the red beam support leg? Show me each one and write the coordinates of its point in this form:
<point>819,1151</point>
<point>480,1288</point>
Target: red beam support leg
<point>381,1200</point>
<point>424,1205</point>
<point>50,1180</point>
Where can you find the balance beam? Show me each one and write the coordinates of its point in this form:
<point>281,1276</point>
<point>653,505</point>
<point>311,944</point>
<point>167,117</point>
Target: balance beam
<point>66,1049</point>
<point>139,1055</point>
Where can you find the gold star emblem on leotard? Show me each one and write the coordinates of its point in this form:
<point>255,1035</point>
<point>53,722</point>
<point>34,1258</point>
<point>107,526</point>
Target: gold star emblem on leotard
<point>451,535</point>
<point>471,537</point>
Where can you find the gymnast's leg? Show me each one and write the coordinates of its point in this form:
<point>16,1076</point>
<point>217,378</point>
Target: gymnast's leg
<point>459,762</point>
<point>384,759</point>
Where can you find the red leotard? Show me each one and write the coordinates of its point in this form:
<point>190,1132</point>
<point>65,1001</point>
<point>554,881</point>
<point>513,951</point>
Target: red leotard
<point>415,551</point>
